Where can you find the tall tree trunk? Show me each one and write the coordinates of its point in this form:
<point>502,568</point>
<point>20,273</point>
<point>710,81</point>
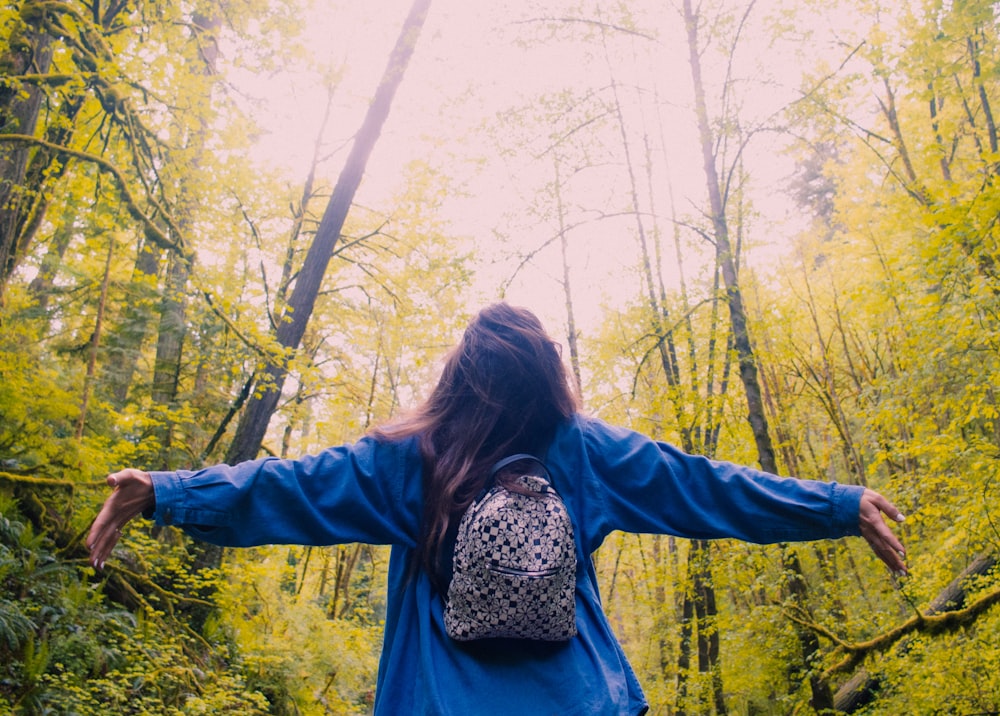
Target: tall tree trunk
<point>46,167</point>
<point>253,424</point>
<point>28,171</point>
<point>137,320</point>
<point>19,108</point>
<point>287,268</point>
<point>700,633</point>
<point>698,603</point>
<point>708,631</point>
<point>664,337</point>
<point>169,349</point>
<point>822,697</point>
<point>42,285</point>
<point>984,100</point>
<point>701,598</point>
<point>172,325</point>
<point>726,256</point>
<point>571,336</point>
<point>685,648</point>
<point>95,341</point>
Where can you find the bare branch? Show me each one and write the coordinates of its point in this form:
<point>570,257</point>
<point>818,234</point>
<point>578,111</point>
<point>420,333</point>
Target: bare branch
<point>588,21</point>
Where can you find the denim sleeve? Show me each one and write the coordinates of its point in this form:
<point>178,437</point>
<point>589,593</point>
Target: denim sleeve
<point>367,492</point>
<point>652,487</point>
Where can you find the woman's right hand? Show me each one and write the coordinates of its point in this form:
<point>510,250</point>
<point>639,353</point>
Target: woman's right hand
<point>883,541</point>
<point>132,494</point>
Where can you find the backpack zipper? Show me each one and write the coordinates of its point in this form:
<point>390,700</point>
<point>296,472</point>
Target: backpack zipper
<point>514,571</point>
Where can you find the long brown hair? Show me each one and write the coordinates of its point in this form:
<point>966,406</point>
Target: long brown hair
<point>503,390</point>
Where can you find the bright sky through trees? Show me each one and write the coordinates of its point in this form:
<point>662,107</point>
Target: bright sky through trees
<point>474,64</point>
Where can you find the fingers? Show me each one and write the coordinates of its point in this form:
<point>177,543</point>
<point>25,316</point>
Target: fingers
<point>883,541</point>
<point>885,506</point>
<point>101,543</point>
<point>105,532</point>
<point>132,493</point>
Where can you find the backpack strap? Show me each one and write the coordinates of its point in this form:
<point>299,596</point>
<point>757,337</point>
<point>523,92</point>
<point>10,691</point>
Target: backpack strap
<point>517,458</point>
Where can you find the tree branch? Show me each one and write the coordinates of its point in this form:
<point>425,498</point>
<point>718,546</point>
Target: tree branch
<point>154,232</point>
<point>932,621</point>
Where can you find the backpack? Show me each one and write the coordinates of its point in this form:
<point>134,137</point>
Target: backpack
<point>514,571</point>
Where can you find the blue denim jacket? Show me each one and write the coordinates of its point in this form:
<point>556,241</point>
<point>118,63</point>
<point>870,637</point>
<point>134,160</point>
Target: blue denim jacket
<point>610,479</point>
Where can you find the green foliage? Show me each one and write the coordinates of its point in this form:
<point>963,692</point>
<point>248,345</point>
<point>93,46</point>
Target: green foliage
<point>33,433</point>
<point>67,649</point>
<point>275,599</point>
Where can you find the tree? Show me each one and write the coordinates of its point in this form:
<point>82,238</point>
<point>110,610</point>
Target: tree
<point>27,52</point>
<point>292,325</point>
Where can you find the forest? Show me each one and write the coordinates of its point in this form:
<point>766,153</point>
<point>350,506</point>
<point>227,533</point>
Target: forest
<point>763,231</point>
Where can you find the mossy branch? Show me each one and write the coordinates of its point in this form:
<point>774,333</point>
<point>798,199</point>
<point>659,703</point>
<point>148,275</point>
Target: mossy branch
<point>38,481</point>
<point>853,653</point>
<point>170,597</point>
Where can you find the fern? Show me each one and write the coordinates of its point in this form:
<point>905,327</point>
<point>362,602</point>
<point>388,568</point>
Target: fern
<point>15,627</point>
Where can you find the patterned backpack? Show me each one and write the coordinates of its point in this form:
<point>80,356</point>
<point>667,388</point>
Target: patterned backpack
<point>514,562</point>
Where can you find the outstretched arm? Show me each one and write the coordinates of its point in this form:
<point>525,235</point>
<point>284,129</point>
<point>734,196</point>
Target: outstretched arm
<point>132,494</point>
<point>883,541</point>
<point>368,492</point>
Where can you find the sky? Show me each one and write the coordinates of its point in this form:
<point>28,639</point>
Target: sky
<point>475,62</point>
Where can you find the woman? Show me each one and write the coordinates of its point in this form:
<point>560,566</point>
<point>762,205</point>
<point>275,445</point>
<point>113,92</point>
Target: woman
<point>503,390</point>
